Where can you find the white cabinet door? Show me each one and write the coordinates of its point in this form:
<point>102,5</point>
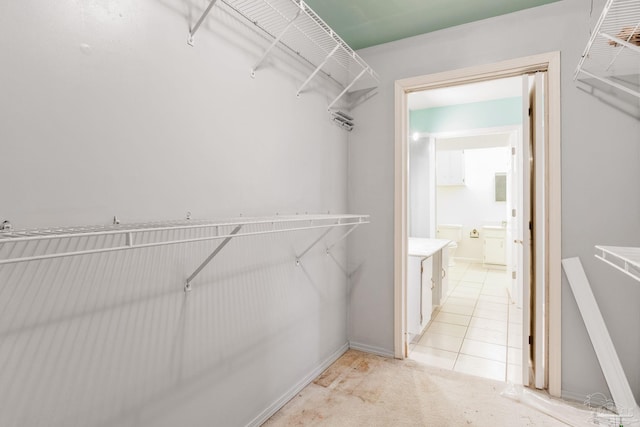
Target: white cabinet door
<point>494,246</point>
<point>450,167</point>
<point>420,286</point>
<point>494,251</point>
<point>444,280</point>
<point>413,296</point>
<point>426,308</point>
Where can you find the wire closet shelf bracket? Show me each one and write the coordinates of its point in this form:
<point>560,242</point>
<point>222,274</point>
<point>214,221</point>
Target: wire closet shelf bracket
<point>612,55</point>
<point>295,27</point>
<point>145,235</point>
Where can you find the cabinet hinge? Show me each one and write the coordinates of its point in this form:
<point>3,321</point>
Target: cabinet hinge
<point>513,275</point>
<point>513,213</point>
<point>513,151</point>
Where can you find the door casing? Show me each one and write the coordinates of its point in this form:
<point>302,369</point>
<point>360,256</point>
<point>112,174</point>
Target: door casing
<point>549,62</point>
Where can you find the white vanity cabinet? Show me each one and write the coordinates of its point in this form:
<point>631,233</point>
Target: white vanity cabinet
<point>425,279</point>
<point>494,246</point>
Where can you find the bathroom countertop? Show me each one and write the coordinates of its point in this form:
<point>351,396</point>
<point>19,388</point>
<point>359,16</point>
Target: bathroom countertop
<point>494,227</point>
<point>425,247</point>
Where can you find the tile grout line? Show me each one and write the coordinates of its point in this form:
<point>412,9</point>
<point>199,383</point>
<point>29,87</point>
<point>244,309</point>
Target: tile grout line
<point>506,346</point>
<point>467,328</point>
<point>465,332</point>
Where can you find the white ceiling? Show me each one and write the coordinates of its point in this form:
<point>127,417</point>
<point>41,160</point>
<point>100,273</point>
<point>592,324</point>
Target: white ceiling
<point>466,94</point>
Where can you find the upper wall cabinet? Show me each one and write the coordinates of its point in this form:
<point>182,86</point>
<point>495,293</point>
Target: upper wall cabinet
<point>293,26</point>
<point>450,167</point>
<point>612,55</point>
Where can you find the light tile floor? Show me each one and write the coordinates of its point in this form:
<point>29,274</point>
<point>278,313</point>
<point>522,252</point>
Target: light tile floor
<point>476,330</point>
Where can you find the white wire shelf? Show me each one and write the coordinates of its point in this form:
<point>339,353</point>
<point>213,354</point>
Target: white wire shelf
<point>625,259</point>
<point>108,238</point>
<point>19,246</point>
<point>612,55</point>
<point>294,26</point>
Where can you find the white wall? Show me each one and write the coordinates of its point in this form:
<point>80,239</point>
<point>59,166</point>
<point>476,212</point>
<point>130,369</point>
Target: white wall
<point>600,157</point>
<point>107,111</point>
<point>419,183</point>
<point>473,204</point>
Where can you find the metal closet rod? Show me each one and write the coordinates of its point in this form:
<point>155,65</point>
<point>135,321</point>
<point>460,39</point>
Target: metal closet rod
<point>130,232</point>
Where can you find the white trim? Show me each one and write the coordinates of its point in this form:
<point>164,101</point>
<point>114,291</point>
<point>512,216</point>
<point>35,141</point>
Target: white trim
<point>540,164</point>
<point>600,338</point>
<point>400,221</point>
<point>292,392</point>
<point>525,205</point>
<point>509,68</point>
<point>549,62</point>
<point>496,130</point>
<point>379,351</point>
<point>554,227</point>
<point>433,189</point>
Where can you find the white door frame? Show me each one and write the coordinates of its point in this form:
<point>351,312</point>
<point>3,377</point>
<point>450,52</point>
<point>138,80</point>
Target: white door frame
<point>549,62</point>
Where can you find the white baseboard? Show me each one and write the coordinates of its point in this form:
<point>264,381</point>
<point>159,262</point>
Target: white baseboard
<point>573,396</point>
<point>280,402</point>
<point>371,349</point>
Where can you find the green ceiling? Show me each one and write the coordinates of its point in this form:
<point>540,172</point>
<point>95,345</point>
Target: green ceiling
<point>364,23</point>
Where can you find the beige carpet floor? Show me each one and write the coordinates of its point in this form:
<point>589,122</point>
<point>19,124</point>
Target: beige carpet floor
<point>360,389</point>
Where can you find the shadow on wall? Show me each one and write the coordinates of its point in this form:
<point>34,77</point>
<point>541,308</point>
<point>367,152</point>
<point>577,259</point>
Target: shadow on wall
<point>609,95</point>
<point>226,25</point>
<point>112,339</point>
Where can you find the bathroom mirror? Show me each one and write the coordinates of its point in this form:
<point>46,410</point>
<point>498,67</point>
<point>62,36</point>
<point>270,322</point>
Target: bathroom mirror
<point>500,187</point>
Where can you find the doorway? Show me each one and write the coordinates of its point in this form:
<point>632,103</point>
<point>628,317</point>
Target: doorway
<point>545,211</point>
<point>476,326</point>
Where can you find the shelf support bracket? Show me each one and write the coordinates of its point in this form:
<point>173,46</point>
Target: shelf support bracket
<point>200,21</point>
<point>299,257</point>
<point>187,286</point>
<point>273,43</point>
<point>346,89</point>
<point>318,68</point>
<point>344,236</point>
